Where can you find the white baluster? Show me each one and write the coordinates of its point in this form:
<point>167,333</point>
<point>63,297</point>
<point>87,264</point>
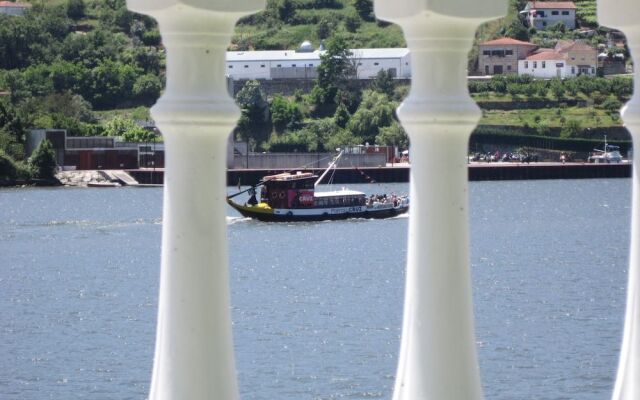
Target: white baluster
<point>194,346</point>
<point>438,350</point>
<point>625,15</point>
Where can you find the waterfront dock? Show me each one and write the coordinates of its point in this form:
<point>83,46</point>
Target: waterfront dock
<point>496,171</point>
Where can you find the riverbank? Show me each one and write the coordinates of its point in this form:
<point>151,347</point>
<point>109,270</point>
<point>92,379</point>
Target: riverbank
<point>497,171</point>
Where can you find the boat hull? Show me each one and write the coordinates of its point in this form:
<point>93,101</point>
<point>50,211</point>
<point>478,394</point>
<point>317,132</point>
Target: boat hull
<point>318,214</point>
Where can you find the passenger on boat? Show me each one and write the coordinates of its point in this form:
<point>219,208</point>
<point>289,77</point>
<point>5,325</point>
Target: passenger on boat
<point>252,198</point>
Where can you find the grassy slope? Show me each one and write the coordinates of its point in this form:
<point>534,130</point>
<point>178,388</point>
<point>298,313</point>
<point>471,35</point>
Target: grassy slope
<point>588,116</point>
<point>262,35</point>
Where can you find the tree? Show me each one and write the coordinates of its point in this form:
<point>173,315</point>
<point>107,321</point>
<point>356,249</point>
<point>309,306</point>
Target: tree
<point>517,31</point>
<point>112,84</point>
<point>352,22</point>
<point>147,88</point>
<point>334,72</point>
<point>375,112</point>
<point>393,135</point>
<point>286,9</point>
<point>558,27</point>
<point>254,121</point>
<point>542,127</point>
<point>43,161</point>
<point>75,9</point>
<point>341,116</point>
<point>324,28</point>
<point>612,105</point>
<point>364,9</point>
<point>572,128</point>
<point>128,130</point>
<point>12,132</point>
<point>383,82</point>
<point>557,88</point>
<point>8,168</point>
<point>284,114</point>
<point>151,37</point>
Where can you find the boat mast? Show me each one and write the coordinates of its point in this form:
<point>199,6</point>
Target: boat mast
<point>331,165</point>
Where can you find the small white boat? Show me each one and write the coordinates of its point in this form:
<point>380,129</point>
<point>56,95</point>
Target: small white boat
<point>610,154</point>
<point>105,184</point>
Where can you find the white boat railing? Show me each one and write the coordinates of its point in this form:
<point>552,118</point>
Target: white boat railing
<point>194,348</point>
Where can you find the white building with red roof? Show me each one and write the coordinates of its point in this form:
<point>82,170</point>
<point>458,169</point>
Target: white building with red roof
<point>501,56</point>
<point>11,8</point>
<point>568,59</point>
<point>545,14</point>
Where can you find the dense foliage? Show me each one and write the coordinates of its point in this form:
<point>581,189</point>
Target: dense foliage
<point>596,89</point>
<point>67,64</point>
<point>63,60</point>
<point>334,114</point>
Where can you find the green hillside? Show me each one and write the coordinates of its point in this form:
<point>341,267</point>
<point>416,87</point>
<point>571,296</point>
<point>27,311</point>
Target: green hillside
<point>92,67</point>
<point>284,24</point>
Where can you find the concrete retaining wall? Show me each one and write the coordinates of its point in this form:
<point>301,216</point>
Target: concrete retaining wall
<point>306,160</point>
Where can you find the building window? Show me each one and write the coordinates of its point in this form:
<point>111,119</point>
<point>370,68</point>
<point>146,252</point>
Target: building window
<point>593,70</point>
<point>544,23</point>
<point>544,64</point>
<point>535,64</point>
<point>540,14</point>
<point>279,65</point>
<point>230,66</point>
<point>486,70</point>
<point>565,13</point>
<point>573,70</point>
<point>508,52</point>
<point>526,64</point>
<point>359,63</point>
<point>560,65</point>
<point>486,53</point>
<point>311,65</point>
<point>406,63</point>
<point>376,63</point>
<point>261,65</point>
<point>293,65</point>
<point>497,53</point>
<point>508,67</point>
<point>246,66</point>
<point>555,13</point>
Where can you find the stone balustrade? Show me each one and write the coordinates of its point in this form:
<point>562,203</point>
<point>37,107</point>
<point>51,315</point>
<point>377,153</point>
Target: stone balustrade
<point>625,15</point>
<point>194,349</point>
<point>438,351</point>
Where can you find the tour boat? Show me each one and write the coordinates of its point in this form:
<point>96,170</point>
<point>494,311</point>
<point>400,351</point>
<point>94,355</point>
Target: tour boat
<point>292,197</point>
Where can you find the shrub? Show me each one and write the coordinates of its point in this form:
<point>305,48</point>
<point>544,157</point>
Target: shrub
<point>42,162</point>
<point>572,128</point>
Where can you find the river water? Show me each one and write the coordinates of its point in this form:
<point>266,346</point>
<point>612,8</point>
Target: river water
<point>316,306</point>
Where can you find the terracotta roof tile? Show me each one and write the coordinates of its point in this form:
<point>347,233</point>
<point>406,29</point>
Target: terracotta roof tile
<point>571,45</point>
<point>546,56</point>
<point>551,4</point>
<point>12,4</point>
<point>507,41</point>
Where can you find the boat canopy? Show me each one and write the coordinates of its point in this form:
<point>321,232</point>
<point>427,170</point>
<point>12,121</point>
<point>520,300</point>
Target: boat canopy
<point>286,176</point>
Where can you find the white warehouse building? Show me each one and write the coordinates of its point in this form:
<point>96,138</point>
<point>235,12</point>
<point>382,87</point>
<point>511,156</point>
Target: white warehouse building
<point>302,63</point>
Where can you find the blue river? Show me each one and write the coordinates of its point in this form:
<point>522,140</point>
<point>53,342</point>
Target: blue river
<point>316,307</point>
